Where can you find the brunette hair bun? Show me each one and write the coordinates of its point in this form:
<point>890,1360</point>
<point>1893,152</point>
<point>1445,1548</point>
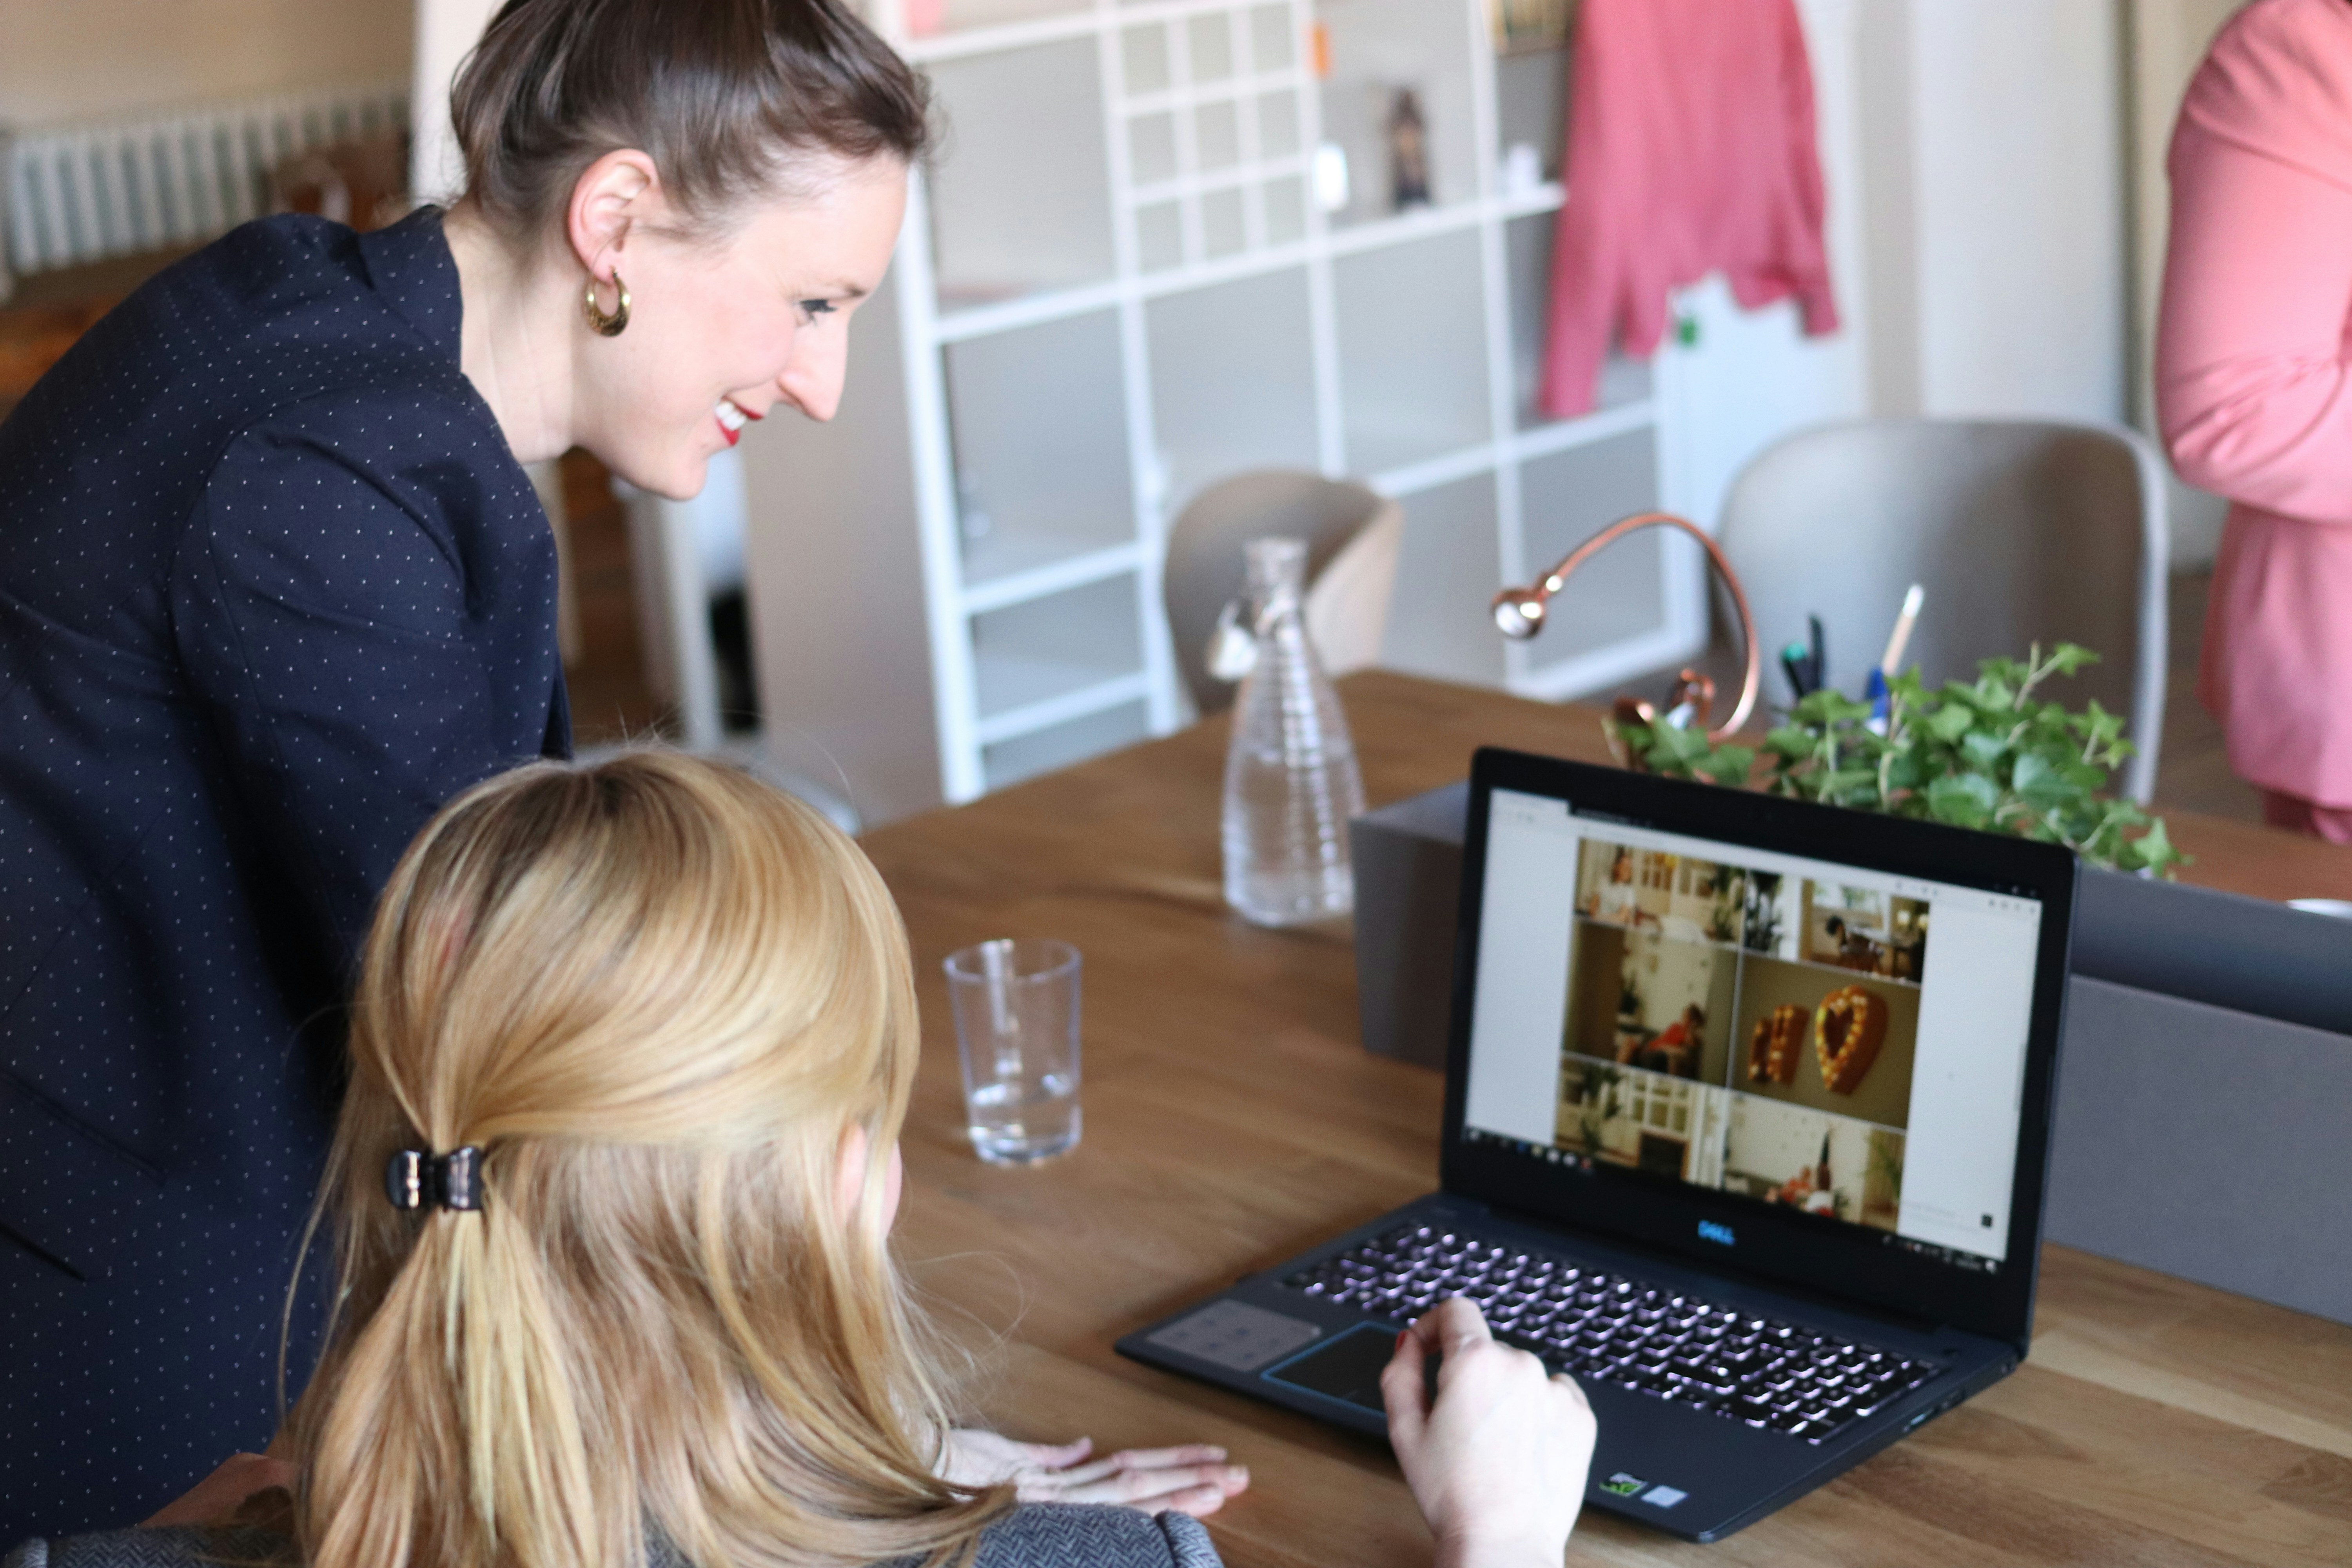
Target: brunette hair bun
<point>725,96</point>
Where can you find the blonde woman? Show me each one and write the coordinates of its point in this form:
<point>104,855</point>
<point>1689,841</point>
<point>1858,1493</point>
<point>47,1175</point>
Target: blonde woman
<point>611,1193</point>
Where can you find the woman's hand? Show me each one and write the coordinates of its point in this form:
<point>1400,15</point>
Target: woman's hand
<point>1194,1479</point>
<point>220,1494</point>
<point>1498,1462</point>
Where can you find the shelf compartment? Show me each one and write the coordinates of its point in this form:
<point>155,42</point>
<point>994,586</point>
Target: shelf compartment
<point>1412,350</point>
<point>1446,576</point>
<point>1526,248</point>
<point>1048,650</point>
<point>1209,47</point>
<point>1377,48</point>
<point>1037,418</point>
<point>1021,200</point>
<point>1146,62</point>
<point>1232,380</point>
<point>1069,572</point>
<point>1568,497</point>
<point>1274,36</point>
<point>1531,106</point>
<point>1151,157</point>
<point>1008,761</point>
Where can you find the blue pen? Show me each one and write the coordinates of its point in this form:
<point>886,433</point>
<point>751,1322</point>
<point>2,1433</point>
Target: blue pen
<point>1875,692</point>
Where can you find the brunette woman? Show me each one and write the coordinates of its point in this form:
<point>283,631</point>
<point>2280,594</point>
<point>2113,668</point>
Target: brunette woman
<point>273,588</point>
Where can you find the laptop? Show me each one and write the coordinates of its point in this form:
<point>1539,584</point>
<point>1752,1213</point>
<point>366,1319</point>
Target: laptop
<point>1747,1121</point>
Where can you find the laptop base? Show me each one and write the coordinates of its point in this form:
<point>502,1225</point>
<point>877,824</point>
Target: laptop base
<point>1684,1470</point>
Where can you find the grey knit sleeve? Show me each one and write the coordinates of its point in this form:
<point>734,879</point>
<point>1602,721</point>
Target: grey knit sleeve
<point>33,1553</point>
<point>1188,1541</point>
<point>1081,1535</point>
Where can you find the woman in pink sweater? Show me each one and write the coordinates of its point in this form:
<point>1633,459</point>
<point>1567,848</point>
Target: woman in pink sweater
<point>2252,387</point>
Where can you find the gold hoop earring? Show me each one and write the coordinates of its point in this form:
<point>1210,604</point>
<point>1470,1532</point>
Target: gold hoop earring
<point>606,326</point>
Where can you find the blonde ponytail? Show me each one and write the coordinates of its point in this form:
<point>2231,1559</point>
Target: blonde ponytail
<point>658,995</point>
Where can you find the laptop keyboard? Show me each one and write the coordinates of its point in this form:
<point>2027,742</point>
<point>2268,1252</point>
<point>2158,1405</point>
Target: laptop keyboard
<point>1765,1373</point>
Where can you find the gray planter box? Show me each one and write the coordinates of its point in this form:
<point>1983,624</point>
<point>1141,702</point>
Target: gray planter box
<point>2204,1079</point>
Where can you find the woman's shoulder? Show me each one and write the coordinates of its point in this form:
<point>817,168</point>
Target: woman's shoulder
<point>1077,1536</point>
<point>148,1549</point>
<point>2278,80</point>
<point>1036,1535</point>
<point>289,332</point>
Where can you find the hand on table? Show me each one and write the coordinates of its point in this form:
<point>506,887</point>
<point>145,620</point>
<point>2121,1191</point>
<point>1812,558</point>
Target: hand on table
<point>1498,1462</point>
<point>220,1494</point>
<point>1193,1479</point>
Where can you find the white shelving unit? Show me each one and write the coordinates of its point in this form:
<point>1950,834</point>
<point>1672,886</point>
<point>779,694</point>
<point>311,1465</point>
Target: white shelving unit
<point>1117,288</point>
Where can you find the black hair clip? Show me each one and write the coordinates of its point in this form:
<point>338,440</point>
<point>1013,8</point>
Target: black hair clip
<point>414,1179</point>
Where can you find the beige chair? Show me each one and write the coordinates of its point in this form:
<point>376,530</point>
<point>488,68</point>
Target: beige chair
<point>1353,538</point>
<point>2020,531</point>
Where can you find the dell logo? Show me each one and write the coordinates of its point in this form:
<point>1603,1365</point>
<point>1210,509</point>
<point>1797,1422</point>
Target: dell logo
<point>1715,1231</point>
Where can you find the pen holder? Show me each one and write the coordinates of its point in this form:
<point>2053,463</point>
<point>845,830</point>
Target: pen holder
<point>1520,612</point>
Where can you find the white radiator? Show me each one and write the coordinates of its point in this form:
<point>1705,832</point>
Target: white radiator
<point>83,193</point>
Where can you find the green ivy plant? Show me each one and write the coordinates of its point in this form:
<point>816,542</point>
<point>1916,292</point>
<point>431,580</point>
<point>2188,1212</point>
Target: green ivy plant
<point>1985,754</point>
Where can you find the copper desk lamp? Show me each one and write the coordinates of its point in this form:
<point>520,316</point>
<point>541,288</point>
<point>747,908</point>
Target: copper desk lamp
<point>1520,615</point>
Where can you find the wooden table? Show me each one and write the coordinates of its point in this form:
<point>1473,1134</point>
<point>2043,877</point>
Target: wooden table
<point>1232,1119</point>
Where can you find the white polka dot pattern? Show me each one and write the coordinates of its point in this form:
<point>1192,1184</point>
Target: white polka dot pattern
<point>272,587</point>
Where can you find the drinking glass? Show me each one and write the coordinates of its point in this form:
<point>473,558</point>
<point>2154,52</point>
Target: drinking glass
<point>1016,1015</point>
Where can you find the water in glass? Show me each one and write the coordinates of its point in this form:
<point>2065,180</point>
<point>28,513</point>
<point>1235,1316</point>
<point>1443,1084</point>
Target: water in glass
<point>1020,1119</point>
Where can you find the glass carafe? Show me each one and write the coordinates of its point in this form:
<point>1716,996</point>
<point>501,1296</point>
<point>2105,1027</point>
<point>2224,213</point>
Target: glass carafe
<point>1291,781</point>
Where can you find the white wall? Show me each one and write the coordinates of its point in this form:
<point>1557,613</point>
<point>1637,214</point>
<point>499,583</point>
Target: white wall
<point>445,30</point>
<point>1994,198</point>
<point>1973,153</point>
<point>84,59</point>
<point>2168,42</point>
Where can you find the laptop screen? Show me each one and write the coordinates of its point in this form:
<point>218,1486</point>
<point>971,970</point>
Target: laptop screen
<point>1795,1032</point>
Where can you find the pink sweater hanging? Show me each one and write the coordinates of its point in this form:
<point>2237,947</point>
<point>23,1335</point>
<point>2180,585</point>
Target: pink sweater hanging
<point>1690,150</point>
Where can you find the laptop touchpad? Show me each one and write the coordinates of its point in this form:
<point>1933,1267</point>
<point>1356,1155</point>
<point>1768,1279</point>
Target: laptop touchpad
<point>1348,1368</point>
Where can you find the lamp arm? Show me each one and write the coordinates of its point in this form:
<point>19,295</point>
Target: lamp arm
<point>1551,582</point>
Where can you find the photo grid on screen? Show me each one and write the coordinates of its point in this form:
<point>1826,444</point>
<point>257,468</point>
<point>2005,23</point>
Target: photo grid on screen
<point>1742,1030</point>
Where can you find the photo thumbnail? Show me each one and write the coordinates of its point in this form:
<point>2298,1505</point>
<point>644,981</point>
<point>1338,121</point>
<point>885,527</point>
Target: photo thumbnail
<point>1863,929</point>
<point>1677,897</point>
<point>1806,1159</point>
<point>1772,914</point>
<point>1811,1036</point>
<point>1641,1000</point>
<point>1643,1121</point>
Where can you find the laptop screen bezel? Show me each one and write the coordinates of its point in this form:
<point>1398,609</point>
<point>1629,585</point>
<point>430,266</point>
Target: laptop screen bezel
<point>1783,1247</point>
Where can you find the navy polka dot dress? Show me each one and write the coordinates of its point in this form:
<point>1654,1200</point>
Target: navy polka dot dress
<point>272,588</point>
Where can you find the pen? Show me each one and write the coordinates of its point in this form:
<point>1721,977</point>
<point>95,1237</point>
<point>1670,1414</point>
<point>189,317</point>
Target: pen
<point>1896,640</point>
<point>1792,665</point>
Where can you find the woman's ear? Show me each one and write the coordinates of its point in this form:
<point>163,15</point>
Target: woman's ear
<point>612,195</point>
<point>849,1173</point>
<point>849,1179</point>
